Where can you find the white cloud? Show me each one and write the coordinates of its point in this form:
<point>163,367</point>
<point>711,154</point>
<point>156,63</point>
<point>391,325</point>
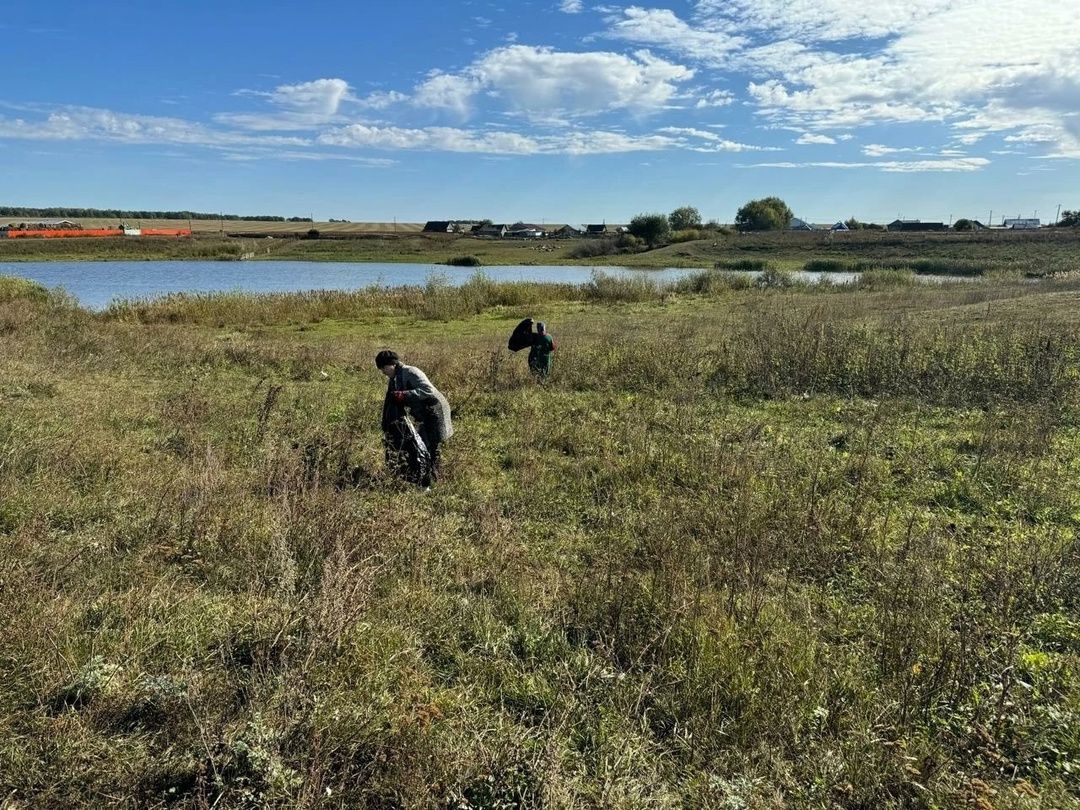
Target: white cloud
<point>880,150</point>
<point>544,83</point>
<point>91,123</point>
<point>660,27</point>
<point>451,139</point>
<point>571,6</point>
<point>822,20</point>
<point>715,98</point>
<point>322,96</point>
<point>255,155</point>
<point>814,138</point>
<point>947,165</point>
<point>713,142</point>
<point>1007,64</point>
<point>298,106</point>
<point>446,92</point>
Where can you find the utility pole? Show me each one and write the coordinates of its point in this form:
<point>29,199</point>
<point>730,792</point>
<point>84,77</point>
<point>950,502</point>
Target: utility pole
<point>1057,216</point>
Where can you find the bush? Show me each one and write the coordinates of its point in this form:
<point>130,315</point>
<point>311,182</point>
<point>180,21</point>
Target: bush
<point>653,228</point>
<point>741,264</point>
<point>685,218</point>
<point>828,266</point>
<point>712,281</point>
<point>603,287</point>
<point>767,214</point>
<point>593,248</point>
<point>771,278</point>
<point>885,278</point>
<point>312,234</point>
<point>687,235</point>
<point>13,289</point>
<point>463,261</point>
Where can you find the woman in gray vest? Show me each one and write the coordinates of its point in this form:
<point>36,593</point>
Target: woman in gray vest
<point>410,390</point>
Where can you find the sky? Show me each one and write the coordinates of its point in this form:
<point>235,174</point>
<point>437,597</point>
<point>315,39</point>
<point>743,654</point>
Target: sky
<point>544,110</point>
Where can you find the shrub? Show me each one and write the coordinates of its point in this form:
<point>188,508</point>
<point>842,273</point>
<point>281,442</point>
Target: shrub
<point>463,261</point>
<point>653,228</point>
<point>592,248</point>
<point>884,278</point>
<point>771,278</point>
<point>684,218</point>
<point>741,264</point>
<point>687,235</point>
<point>767,214</point>
<point>13,289</point>
<point>828,266</point>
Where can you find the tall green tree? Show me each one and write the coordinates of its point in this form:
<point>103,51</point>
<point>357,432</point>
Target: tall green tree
<point>767,214</point>
<point>685,217</point>
<point>1070,219</point>
<point>653,228</point>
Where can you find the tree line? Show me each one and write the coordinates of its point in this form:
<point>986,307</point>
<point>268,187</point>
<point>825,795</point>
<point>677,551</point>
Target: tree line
<point>116,213</point>
<point>766,214</point>
<point>769,213</point>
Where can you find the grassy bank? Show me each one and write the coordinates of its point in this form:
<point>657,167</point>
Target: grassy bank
<point>1038,253</point>
<point>747,548</point>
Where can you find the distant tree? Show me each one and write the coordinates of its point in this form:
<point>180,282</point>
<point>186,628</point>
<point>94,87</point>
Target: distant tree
<point>859,225</point>
<point>963,224</point>
<point>653,228</point>
<point>682,218</point>
<point>1069,219</point>
<point>768,214</point>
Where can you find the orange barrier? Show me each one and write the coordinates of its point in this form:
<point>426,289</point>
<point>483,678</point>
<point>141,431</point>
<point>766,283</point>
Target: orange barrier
<point>166,231</point>
<point>63,234</point>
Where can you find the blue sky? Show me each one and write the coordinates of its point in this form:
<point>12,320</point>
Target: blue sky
<point>553,110</point>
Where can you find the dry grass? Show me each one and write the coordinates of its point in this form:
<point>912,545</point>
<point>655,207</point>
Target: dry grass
<point>746,548</point>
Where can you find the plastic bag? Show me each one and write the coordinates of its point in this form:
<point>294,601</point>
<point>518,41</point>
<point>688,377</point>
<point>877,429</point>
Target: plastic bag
<point>522,336</point>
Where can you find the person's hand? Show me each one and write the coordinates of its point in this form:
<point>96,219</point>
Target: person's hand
<point>399,397</point>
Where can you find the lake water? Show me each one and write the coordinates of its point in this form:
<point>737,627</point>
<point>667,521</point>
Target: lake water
<point>95,284</point>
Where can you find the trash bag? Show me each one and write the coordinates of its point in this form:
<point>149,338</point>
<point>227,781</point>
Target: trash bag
<point>406,454</point>
<point>522,336</point>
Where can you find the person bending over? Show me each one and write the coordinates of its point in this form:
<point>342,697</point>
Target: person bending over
<point>410,390</point>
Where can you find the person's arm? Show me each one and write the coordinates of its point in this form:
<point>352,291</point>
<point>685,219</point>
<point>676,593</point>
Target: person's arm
<point>418,387</point>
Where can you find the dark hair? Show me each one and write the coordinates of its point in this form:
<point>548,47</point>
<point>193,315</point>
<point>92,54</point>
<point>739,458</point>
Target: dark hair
<point>387,358</point>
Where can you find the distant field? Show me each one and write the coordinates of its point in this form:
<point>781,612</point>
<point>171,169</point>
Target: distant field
<point>1031,253</point>
<point>213,226</point>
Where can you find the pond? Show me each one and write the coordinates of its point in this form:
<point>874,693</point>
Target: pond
<point>95,284</point>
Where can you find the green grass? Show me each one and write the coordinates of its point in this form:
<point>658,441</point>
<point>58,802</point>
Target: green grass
<point>745,548</point>
<point>1036,253</point>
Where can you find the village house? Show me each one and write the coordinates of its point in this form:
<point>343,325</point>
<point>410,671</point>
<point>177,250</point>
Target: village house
<point>438,226</point>
<point>1019,224</point>
<point>524,230</point>
<point>496,231</point>
<point>915,225</point>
